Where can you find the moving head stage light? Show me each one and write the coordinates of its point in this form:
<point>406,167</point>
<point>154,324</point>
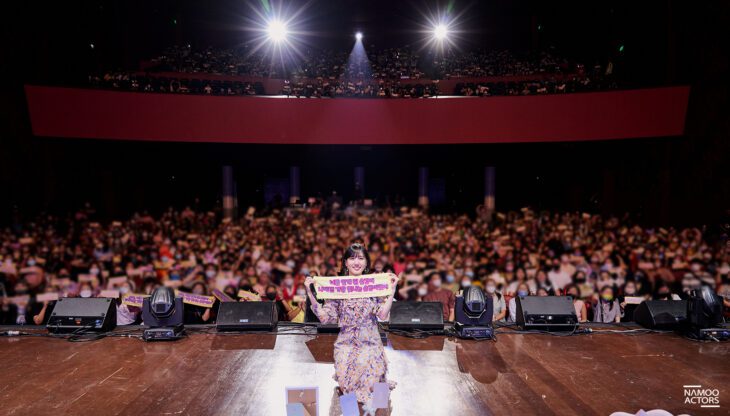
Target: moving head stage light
<point>163,313</point>
<point>704,316</point>
<point>473,314</point>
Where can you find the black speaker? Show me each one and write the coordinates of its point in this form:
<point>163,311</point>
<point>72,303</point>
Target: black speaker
<point>661,314</point>
<point>311,317</point>
<point>246,316</point>
<point>551,313</point>
<point>89,314</point>
<point>416,315</point>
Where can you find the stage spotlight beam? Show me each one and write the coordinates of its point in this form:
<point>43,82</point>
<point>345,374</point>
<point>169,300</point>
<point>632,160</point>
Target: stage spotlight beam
<point>358,36</point>
<point>440,32</point>
<point>277,31</point>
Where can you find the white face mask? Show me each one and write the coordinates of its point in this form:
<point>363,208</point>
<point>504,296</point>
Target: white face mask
<point>289,282</point>
<point>123,290</point>
<point>301,292</point>
<point>491,289</point>
<point>436,283</point>
<point>422,291</point>
<point>85,293</point>
<point>466,283</point>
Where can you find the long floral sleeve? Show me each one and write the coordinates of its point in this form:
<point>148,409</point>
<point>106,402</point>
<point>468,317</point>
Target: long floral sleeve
<point>327,313</point>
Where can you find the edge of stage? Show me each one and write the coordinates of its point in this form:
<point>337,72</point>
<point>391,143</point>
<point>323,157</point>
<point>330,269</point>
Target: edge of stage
<point>617,367</point>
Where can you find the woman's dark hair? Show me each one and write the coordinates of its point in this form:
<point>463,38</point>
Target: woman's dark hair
<point>524,272</point>
<point>350,252</point>
<point>569,287</point>
<point>232,289</point>
<point>205,287</point>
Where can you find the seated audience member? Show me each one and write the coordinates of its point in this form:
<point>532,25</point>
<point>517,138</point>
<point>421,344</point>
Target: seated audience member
<point>195,314</point>
<point>500,307</point>
<point>522,291</point>
<point>127,315</point>
<point>436,293</point>
<point>627,309</point>
<point>580,307</point>
<point>607,309</point>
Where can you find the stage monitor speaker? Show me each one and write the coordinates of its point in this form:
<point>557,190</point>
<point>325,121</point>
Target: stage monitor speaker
<point>247,316</point>
<point>551,313</point>
<point>661,314</point>
<point>310,317</point>
<point>87,314</point>
<point>416,315</point>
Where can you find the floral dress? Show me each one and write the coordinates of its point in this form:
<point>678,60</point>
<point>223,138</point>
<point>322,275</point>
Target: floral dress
<point>359,355</point>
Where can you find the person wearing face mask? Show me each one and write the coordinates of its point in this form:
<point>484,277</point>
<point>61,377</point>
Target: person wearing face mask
<point>194,314</point>
<point>210,273</point>
<point>436,293</point>
<point>291,310</point>
<point>663,292</point>
<point>413,292</point>
<point>580,307</point>
<point>627,309</point>
<point>520,276</point>
<point>500,307</point>
<point>522,291</point>
<point>287,287</point>
<point>559,276</point>
<point>85,290</point>
<point>18,312</point>
<point>94,270</point>
<point>607,309</point>
<point>450,282</point>
<point>466,281</point>
<point>699,270</point>
<point>127,315</point>
<point>272,293</point>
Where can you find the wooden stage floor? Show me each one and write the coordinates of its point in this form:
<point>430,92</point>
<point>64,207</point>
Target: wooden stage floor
<point>521,374</point>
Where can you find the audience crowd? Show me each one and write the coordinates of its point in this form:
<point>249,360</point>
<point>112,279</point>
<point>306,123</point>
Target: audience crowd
<point>608,265</point>
<point>388,73</point>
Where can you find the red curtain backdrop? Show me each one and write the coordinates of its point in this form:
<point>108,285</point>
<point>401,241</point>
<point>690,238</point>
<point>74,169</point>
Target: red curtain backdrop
<point>89,113</point>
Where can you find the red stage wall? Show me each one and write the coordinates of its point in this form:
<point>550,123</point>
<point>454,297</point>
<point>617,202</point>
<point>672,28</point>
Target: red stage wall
<point>88,113</point>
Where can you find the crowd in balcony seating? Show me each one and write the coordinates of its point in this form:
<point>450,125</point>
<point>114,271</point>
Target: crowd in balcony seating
<point>388,73</point>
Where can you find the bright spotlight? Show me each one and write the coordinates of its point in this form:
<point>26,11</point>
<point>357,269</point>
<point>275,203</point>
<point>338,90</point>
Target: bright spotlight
<point>440,31</point>
<point>276,30</point>
<point>358,36</point>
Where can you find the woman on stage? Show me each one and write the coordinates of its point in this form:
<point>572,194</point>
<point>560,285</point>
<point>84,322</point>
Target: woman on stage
<point>359,355</point>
